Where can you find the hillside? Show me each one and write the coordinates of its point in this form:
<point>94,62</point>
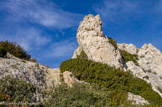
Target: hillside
<point>100,73</point>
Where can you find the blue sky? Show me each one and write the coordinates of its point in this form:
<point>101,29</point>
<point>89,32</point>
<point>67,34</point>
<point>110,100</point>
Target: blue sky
<point>47,28</point>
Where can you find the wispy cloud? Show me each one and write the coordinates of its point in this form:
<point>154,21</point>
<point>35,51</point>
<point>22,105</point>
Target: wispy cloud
<point>41,12</point>
<point>132,21</point>
<point>61,49</point>
<point>123,10</point>
<point>23,19</point>
<point>111,10</point>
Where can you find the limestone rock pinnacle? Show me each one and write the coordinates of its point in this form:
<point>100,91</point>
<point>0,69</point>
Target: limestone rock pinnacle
<point>95,44</point>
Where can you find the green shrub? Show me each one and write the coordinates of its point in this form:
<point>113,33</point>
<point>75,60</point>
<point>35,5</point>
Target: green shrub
<point>113,79</point>
<point>129,57</point>
<point>3,52</point>
<point>18,90</point>
<point>15,49</point>
<point>113,42</point>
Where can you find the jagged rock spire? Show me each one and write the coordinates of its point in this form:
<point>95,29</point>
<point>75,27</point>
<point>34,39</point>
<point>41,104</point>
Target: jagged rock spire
<point>95,44</point>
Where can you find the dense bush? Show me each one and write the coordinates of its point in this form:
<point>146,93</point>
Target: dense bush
<point>17,90</point>
<point>15,49</point>
<point>129,57</point>
<point>113,79</point>
<point>3,52</point>
<point>80,95</point>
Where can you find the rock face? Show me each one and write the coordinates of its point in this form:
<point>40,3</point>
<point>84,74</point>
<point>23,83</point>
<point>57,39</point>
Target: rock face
<point>136,99</point>
<point>136,70</point>
<point>150,59</point>
<point>95,44</point>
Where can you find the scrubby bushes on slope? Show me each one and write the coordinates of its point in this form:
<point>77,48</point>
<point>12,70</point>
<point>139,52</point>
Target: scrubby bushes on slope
<point>15,49</point>
<point>113,79</point>
<point>17,90</point>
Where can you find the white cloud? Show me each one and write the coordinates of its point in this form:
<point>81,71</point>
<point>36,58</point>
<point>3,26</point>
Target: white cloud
<point>42,12</point>
<point>61,49</point>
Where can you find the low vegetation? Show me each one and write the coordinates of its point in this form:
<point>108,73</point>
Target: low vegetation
<point>14,49</point>
<point>129,57</point>
<point>16,90</point>
<point>80,95</point>
<point>115,80</point>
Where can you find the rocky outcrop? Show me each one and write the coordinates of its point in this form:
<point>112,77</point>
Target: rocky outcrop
<point>150,60</point>
<point>95,44</point>
<point>130,48</point>
<point>136,99</point>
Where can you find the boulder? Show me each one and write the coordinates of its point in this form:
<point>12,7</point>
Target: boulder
<point>69,79</point>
